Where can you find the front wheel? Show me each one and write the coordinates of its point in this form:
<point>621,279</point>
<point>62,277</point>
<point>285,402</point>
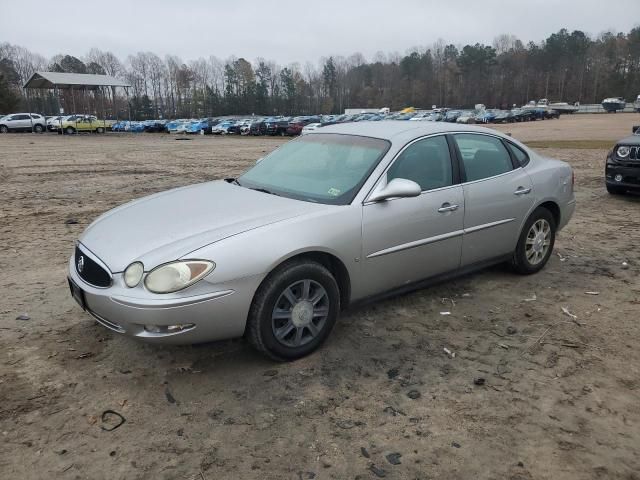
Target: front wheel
<point>4,129</point>
<point>70,130</point>
<point>535,243</point>
<point>38,128</point>
<point>100,130</point>
<point>294,310</point>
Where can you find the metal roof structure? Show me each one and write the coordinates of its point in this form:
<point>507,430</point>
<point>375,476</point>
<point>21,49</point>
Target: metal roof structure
<point>51,80</point>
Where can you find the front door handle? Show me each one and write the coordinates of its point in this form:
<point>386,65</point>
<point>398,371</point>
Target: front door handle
<point>522,191</point>
<point>447,207</point>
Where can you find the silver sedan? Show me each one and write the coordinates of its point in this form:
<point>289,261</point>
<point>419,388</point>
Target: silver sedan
<point>346,213</point>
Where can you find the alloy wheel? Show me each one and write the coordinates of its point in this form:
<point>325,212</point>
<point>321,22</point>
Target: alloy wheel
<point>300,313</point>
<point>538,241</point>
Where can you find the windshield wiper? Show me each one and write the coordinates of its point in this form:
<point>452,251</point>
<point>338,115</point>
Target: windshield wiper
<point>264,190</point>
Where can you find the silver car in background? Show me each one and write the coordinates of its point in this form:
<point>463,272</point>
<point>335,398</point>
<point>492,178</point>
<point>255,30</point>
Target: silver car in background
<point>343,214</point>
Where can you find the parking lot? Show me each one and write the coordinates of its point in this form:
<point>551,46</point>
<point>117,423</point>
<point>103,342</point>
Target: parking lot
<point>544,384</point>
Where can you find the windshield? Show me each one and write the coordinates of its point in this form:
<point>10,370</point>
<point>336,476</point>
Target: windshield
<point>323,168</point>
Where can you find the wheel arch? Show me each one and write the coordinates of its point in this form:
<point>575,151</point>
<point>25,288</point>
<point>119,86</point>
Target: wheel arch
<point>553,207</point>
<point>330,261</point>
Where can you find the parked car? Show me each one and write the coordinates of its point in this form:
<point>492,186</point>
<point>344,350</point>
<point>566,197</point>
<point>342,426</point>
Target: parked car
<point>277,253</point>
<point>278,126</point>
<point>23,122</point>
<point>82,123</point>
<point>53,123</point>
<point>312,127</point>
<point>622,170</point>
<point>466,117</point>
<point>223,127</point>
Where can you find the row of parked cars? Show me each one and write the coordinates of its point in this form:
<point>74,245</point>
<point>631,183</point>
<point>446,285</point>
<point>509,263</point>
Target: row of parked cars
<point>274,125</point>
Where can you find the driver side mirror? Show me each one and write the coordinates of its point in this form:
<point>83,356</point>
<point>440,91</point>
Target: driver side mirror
<point>397,188</point>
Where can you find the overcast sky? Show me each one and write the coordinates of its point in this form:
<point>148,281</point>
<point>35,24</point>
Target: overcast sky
<point>294,31</point>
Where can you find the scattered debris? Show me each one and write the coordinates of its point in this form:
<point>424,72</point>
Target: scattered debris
<point>306,475</point>
<point>570,315</point>
<point>170,398</point>
<point>592,293</point>
<point>394,458</point>
<point>562,259</point>
<point>625,265</point>
<point>378,472</point>
<point>533,298</point>
<point>364,452</point>
<point>455,444</point>
<point>183,138</point>
<point>105,416</point>
<point>23,316</point>
<point>449,352</point>
<point>270,373</point>
<point>84,355</point>
<point>445,300</point>
<point>393,411</point>
<point>393,373</point>
<point>502,345</point>
<point>512,330</point>
<point>414,394</point>
<point>479,381</point>
<point>71,221</point>
<point>445,313</point>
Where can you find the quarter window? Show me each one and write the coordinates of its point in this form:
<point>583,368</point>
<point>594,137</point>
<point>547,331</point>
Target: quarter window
<point>521,155</point>
<point>426,162</point>
<point>483,156</point>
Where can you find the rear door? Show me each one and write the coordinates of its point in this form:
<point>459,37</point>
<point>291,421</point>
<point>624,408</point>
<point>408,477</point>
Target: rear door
<point>408,239</point>
<point>498,194</point>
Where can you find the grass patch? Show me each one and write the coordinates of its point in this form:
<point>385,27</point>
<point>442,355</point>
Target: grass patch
<point>572,144</point>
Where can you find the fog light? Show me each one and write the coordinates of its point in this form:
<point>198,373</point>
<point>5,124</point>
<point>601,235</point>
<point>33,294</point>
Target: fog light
<point>618,178</point>
<point>168,329</point>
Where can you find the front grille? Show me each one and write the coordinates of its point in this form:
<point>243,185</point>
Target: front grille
<point>91,271</point>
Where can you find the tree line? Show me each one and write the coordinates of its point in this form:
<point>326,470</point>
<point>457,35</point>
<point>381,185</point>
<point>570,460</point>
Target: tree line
<point>566,66</point>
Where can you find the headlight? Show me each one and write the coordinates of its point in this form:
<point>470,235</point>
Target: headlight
<point>623,152</point>
<point>175,276</point>
<point>133,274</point>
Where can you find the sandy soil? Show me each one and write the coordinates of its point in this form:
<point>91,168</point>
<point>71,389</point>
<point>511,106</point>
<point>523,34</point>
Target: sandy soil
<point>560,399</point>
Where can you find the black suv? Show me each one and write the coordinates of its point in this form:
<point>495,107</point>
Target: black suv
<point>623,165</point>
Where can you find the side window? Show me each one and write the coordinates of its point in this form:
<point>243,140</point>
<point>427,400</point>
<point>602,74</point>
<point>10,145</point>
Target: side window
<point>35,117</point>
<point>483,156</point>
<point>21,117</point>
<point>520,154</point>
<point>426,162</point>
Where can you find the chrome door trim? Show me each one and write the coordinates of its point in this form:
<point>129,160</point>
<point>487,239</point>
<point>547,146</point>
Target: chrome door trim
<point>484,226</point>
<point>416,243</point>
<point>438,238</point>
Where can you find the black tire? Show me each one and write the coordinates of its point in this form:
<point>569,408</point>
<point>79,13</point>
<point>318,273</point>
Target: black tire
<point>70,130</point>
<point>38,128</point>
<point>4,129</point>
<point>260,330</point>
<point>613,190</point>
<point>100,130</point>
<point>520,261</point>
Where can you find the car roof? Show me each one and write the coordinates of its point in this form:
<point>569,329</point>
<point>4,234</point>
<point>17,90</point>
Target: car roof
<point>398,130</point>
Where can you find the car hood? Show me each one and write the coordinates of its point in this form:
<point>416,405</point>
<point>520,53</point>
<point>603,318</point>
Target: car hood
<point>631,140</point>
<point>169,225</point>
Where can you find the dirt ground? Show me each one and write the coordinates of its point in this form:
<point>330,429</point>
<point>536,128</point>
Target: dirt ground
<point>560,399</point>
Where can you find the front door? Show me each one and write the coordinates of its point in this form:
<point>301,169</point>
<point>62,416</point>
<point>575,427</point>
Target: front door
<point>408,239</point>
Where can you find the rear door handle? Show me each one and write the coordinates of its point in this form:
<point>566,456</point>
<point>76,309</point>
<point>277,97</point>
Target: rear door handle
<point>447,207</point>
<point>522,191</point>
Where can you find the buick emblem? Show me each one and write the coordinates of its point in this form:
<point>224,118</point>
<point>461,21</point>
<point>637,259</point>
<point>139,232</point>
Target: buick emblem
<point>80,263</point>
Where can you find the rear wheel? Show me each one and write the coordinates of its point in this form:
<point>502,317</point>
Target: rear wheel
<point>38,128</point>
<point>535,243</point>
<point>613,190</point>
<point>294,310</point>
<point>100,130</point>
<point>70,130</point>
<point>4,129</point>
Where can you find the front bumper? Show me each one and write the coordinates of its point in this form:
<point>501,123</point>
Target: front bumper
<point>216,311</point>
<point>623,176</point>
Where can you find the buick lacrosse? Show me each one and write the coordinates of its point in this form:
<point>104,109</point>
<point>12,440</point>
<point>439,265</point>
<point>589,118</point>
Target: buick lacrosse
<point>346,213</point>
